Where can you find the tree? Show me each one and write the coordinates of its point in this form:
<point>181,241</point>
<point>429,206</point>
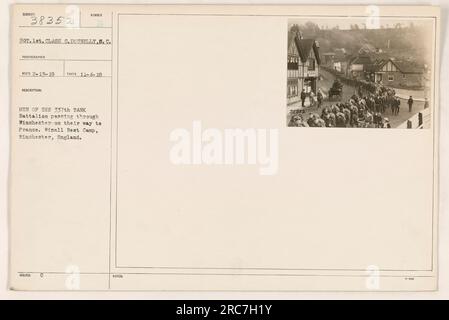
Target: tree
<point>311,26</point>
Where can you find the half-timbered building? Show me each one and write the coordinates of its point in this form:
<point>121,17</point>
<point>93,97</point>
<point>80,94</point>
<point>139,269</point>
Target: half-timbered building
<point>303,62</point>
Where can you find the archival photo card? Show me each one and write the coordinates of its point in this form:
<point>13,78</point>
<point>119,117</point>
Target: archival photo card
<point>360,72</point>
<point>154,147</point>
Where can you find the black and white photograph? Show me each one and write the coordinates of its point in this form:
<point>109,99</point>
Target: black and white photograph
<point>359,73</point>
<point>152,151</point>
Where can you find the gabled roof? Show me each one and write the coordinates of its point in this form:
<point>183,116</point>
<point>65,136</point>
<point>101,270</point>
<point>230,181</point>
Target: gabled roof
<point>408,67</point>
<point>403,66</point>
<point>291,36</point>
<point>343,58</point>
<point>376,65</point>
<point>367,47</point>
<point>362,59</point>
<point>370,68</point>
<point>305,46</point>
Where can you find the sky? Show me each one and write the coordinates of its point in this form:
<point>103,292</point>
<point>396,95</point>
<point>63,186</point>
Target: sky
<point>345,22</point>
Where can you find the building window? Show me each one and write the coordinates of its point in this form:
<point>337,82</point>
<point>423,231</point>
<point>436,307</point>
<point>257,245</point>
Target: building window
<point>292,90</point>
<point>311,64</point>
<point>404,76</point>
<point>379,77</point>
<point>292,63</point>
<point>390,78</point>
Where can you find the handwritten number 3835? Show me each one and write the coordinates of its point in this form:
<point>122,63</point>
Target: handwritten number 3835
<point>50,20</point>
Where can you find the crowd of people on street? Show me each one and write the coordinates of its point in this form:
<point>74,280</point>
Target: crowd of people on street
<point>363,110</point>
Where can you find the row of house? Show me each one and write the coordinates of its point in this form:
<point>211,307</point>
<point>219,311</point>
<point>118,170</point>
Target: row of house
<point>396,73</point>
<point>338,59</point>
<point>303,61</point>
<point>377,67</point>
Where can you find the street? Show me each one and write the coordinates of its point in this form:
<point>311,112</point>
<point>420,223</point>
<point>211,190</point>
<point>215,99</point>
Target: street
<point>326,82</point>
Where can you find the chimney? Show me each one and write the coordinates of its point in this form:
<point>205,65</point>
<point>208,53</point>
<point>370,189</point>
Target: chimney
<point>299,34</point>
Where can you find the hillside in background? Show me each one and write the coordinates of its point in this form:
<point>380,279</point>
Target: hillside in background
<point>401,42</point>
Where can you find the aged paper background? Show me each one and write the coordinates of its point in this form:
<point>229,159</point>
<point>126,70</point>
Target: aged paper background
<point>305,140</point>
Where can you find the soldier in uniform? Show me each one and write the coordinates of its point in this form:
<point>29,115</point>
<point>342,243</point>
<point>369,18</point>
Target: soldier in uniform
<point>410,104</point>
<point>319,97</point>
<point>303,97</point>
